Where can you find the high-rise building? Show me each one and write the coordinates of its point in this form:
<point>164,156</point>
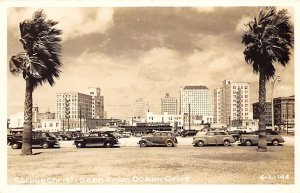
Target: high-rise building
<point>141,108</point>
<point>195,99</point>
<point>284,111</point>
<point>73,105</point>
<point>268,113</point>
<point>232,102</point>
<point>169,105</point>
<point>97,103</point>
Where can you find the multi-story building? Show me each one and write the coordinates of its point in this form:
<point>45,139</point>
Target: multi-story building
<point>284,111</point>
<point>268,113</point>
<point>97,103</point>
<point>141,108</point>
<point>73,105</point>
<point>16,120</point>
<point>50,125</point>
<point>169,105</point>
<point>195,100</point>
<point>165,118</point>
<point>232,102</point>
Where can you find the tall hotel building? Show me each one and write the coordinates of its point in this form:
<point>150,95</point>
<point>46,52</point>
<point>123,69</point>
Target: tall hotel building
<point>77,105</point>
<point>141,108</point>
<point>199,98</point>
<point>231,102</point>
<point>97,103</point>
<point>74,105</point>
<point>169,105</point>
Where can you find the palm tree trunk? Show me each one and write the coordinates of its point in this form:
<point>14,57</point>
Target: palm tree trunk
<point>262,141</point>
<point>27,130</point>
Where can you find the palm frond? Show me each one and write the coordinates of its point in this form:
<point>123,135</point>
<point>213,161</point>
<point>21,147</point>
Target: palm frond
<point>41,42</point>
<point>268,39</point>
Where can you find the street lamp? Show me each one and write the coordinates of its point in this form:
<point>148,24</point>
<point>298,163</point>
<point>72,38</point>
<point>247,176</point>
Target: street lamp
<point>277,78</point>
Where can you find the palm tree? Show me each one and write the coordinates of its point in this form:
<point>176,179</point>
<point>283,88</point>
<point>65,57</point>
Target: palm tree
<point>268,40</point>
<point>39,63</point>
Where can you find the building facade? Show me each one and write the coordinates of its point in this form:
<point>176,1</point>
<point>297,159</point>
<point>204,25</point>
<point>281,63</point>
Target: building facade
<point>141,107</point>
<point>73,105</point>
<point>165,118</point>
<point>284,111</point>
<point>97,103</point>
<point>169,105</point>
<point>195,100</point>
<point>232,102</point>
<point>16,120</point>
<point>268,113</point>
<point>50,125</point>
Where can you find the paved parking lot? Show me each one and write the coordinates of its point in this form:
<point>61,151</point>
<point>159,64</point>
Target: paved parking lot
<point>130,164</point>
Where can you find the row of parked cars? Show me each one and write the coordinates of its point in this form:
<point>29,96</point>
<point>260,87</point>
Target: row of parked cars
<point>159,138</point>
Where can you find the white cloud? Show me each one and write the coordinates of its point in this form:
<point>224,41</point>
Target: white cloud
<point>74,22</point>
<point>241,25</point>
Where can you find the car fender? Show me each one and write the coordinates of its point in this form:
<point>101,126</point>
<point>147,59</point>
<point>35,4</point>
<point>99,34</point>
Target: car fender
<point>145,140</point>
<point>230,139</point>
<point>200,139</point>
<point>280,139</point>
<point>174,141</point>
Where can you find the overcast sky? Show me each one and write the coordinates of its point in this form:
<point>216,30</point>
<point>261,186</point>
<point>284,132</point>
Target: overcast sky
<point>143,52</point>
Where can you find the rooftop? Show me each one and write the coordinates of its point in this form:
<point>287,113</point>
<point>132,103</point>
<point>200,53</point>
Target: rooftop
<point>195,87</point>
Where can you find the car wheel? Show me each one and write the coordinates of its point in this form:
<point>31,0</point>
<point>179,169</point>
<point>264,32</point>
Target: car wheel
<point>200,143</point>
<point>65,139</point>
<point>79,145</point>
<point>169,143</point>
<point>143,144</point>
<point>226,143</point>
<point>45,145</point>
<point>248,143</point>
<point>108,144</point>
<point>275,142</point>
<point>15,146</point>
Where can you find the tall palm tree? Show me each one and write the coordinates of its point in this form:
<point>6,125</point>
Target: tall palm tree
<point>39,63</point>
<point>268,40</point>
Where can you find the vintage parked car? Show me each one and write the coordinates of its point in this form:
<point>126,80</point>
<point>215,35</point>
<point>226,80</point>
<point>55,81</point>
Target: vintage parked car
<point>212,138</point>
<point>189,133</point>
<point>39,139</point>
<point>65,137</point>
<point>105,139</point>
<point>252,139</point>
<point>159,138</point>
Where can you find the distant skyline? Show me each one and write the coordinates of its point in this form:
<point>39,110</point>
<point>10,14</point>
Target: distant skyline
<point>144,52</point>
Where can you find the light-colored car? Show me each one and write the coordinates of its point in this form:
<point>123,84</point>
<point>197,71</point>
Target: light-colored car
<point>272,137</point>
<point>213,138</point>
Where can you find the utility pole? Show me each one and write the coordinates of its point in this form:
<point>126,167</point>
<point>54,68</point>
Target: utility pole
<point>189,116</point>
<point>86,118</point>
<point>272,103</point>
<point>67,111</point>
<point>80,118</point>
<point>287,117</point>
